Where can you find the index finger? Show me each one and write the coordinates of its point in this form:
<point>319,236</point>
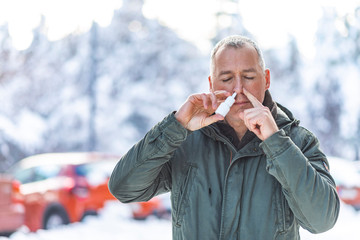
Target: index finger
<point>222,94</point>
<point>254,101</point>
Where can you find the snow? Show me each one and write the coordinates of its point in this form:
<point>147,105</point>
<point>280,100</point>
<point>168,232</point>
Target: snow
<point>347,227</point>
<point>115,222</point>
<point>27,128</point>
<point>104,89</point>
<point>143,72</point>
<point>344,172</point>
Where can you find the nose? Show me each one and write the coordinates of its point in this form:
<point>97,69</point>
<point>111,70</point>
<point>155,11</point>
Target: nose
<point>238,88</point>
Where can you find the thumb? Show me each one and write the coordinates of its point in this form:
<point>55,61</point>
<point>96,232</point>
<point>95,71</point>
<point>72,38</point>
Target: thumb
<point>212,119</point>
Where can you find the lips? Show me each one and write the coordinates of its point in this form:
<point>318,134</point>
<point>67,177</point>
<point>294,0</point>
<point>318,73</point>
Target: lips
<point>241,102</point>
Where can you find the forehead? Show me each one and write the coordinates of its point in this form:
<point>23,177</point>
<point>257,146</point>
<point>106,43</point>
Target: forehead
<point>239,57</point>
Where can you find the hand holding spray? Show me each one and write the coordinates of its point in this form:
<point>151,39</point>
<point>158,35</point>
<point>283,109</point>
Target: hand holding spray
<point>224,107</point>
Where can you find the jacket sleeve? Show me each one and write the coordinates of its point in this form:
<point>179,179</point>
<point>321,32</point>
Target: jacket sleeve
<point>306,182</point>
<point>144,171</point>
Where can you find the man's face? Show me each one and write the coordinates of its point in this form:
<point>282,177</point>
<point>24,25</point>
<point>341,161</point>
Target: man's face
<point>235,69</point>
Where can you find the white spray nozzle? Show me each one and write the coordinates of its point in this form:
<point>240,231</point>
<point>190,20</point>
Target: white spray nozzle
<point>224,107</point>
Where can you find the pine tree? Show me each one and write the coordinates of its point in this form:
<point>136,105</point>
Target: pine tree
<point>337,69</point>
<point>229,21</point>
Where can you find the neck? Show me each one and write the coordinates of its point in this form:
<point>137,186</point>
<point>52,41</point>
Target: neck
<point>239,127</point>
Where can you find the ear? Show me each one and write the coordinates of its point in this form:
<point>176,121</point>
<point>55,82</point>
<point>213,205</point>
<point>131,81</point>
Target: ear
<point>267,79</point>
<point>210,84</point>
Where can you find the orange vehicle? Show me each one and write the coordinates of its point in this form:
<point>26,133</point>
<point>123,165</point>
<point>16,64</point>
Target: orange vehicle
<point>346,174</point>
<point>11,205</point>
<point>61,188</point>
<point>158,206</point>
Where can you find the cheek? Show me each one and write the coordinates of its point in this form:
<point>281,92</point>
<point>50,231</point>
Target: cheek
<point>257,89</point>
<point>256,86</point>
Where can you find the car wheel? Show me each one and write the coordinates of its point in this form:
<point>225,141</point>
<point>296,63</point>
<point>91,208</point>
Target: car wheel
<point>89,213</point>
<point>55,217</point>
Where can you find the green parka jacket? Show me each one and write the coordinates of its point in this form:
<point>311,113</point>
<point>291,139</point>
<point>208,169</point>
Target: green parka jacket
<point>265,190</point>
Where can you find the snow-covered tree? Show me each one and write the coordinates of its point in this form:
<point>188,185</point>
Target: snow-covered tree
<point>287,79</point>
<point>102,89</point>
<point>229,21</point>
<point>334,102</point>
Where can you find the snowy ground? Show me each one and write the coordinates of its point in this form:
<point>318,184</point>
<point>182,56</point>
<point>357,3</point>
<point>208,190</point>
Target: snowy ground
<point>114,223</point>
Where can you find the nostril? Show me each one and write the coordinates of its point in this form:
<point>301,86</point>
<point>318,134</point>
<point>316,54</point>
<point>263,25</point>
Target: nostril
<point>239,90</point>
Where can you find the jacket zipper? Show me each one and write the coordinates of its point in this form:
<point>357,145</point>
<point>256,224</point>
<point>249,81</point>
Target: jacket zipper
<point>229,144</point>
<point>225,141</point>
<point>232,147</point>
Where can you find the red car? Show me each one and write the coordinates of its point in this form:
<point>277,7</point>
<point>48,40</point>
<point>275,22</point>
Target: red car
<point>347,177</point>
<point>61,188</point>
<point>12,209</point>
<point>158,206</point>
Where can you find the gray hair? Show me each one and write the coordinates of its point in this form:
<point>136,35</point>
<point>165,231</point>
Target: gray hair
<point>236,41</point>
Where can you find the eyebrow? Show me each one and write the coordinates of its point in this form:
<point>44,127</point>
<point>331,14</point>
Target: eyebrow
<point>229,72</point>
<point>224,73</point>
<point>250,70</point>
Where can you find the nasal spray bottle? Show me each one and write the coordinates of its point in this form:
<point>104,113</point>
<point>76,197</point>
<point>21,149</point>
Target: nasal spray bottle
<point>224,107</point>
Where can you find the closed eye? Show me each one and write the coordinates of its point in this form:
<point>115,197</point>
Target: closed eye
<point>227,79</point>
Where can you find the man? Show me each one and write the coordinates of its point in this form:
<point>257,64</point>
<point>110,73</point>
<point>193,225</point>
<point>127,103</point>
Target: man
<point>255,174</point>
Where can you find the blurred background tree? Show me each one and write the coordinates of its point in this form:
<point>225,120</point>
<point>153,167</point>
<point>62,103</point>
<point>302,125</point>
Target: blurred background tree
<point>102,90</point>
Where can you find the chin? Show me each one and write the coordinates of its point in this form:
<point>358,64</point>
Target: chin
<point>233,116</point>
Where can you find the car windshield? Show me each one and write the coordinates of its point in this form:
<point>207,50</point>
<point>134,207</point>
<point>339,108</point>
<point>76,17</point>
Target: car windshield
<point>38,173</point>
<point>96,172</point>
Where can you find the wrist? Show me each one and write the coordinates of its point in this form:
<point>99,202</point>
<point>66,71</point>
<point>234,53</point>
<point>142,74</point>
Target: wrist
<point>178,118</point>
